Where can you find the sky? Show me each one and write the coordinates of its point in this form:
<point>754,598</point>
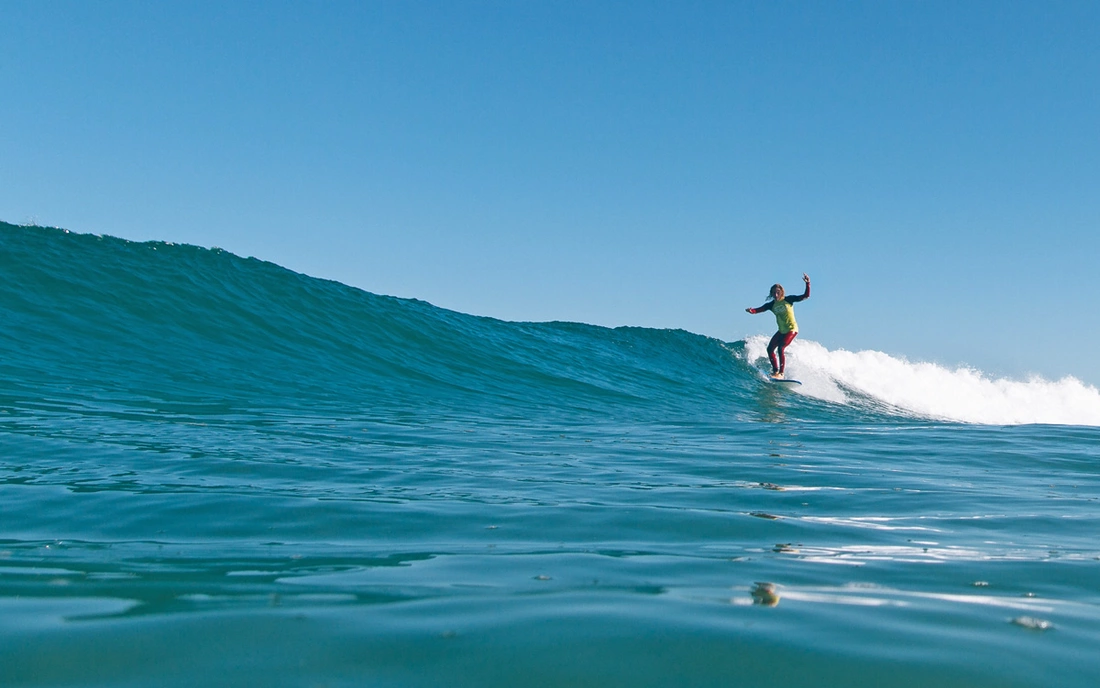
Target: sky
<point>934,166</point>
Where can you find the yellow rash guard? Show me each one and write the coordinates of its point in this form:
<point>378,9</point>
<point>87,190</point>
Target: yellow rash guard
<point>784,316</point>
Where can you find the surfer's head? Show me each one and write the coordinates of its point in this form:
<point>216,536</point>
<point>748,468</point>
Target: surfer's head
<point>777,292</point>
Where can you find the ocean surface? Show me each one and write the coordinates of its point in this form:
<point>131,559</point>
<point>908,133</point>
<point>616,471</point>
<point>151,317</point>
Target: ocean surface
<point>217,472</point>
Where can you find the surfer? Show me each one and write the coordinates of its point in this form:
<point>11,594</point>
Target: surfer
<point>781,306</point>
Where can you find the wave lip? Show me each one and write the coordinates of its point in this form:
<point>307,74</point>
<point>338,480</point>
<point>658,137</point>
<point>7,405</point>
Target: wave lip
<point>931,390</point>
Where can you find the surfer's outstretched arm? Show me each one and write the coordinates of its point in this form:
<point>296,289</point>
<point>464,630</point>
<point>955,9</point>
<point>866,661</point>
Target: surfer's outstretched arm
<point>805,294</point>
<point>760,309</point>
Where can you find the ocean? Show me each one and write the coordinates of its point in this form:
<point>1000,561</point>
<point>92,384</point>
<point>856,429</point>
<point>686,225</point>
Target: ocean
<point>215,471</point>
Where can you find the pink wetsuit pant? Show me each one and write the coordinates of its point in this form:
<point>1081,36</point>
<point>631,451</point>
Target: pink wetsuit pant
<point>780,341</point>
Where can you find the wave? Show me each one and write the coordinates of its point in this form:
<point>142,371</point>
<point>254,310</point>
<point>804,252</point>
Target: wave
<point>177,326</point>
<point>95,322</point>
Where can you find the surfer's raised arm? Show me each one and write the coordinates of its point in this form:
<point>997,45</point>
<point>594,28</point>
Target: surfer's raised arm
<point>805,294</point>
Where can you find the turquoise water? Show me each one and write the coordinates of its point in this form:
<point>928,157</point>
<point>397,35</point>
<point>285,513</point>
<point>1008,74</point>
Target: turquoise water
<point>215,471</point>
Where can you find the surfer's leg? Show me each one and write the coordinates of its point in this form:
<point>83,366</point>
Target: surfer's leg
<point>772,345</point>
<point>784,341</point>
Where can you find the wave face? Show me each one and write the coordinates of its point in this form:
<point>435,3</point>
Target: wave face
<point>175,324</point>
<point>217,465</point>
<point>180,327</point>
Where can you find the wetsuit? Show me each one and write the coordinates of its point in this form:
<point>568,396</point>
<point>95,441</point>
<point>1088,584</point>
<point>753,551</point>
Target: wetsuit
<point>788,327</point>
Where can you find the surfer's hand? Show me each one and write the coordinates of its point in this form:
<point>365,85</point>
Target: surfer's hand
<point>751,310</point>
<point>805,278</point>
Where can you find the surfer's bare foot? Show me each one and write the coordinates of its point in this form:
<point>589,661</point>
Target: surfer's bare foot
<point>777,376</point>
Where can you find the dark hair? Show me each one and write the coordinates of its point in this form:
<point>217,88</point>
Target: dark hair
<point>777,292</point>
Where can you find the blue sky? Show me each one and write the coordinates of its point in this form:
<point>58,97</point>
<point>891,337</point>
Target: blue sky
<point>934,166</point>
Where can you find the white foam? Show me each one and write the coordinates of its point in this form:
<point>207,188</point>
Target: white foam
<point>932,390</point>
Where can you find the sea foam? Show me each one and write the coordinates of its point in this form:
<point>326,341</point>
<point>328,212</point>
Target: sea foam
<point>932,390</point>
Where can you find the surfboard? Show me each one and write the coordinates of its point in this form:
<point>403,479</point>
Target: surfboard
<point>783,382</point>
